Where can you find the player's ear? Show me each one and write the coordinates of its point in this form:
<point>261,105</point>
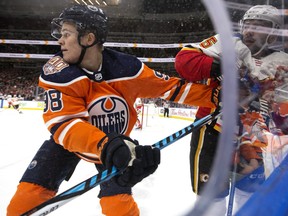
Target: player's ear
<point>90,38</point>
<point>272,39</point>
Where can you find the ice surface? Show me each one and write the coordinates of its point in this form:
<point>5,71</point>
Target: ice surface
<point>167,192</point>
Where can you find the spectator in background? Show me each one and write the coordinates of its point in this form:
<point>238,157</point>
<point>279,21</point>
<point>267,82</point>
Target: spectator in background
<point>19,82</point>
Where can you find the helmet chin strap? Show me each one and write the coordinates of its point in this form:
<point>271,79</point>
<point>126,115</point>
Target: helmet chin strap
<point>83,51</point>
<point>262,48</point>
<point>264,45</point>
<point>84,48</point>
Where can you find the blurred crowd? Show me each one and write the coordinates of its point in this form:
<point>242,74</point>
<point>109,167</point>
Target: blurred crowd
<point>21,83</point>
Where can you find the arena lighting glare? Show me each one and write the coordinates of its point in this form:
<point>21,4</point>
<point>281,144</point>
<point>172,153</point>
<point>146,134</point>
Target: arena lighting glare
<point>99,2</point>
<point>90,2</point>
<point>84,2</point>
<point>112,2</point>
<point>219,15</point>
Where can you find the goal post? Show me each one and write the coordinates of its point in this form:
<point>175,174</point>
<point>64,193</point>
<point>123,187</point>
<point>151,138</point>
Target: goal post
<point>150,114</point>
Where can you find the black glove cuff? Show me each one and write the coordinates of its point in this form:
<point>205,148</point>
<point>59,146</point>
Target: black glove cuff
<point>215,70</point>
<point>115,141</point>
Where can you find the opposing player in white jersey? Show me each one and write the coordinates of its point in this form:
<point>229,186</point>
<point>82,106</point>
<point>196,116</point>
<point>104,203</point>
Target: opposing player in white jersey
<point>259,71</point>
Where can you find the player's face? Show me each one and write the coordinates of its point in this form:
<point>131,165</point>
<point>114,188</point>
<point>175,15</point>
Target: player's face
<point>69,43</point>
<point>255,33</point>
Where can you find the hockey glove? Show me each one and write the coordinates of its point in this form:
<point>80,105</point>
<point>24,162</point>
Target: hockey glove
<point>118,150</point>
<point>146,162</point>
<point>216,71</point>
<point>123,152</point>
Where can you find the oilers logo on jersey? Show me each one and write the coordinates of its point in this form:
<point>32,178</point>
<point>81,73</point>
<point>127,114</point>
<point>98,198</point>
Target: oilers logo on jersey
<point>109,114</point>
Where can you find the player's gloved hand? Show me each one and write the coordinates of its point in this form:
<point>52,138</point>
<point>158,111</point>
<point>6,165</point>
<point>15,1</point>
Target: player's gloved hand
<point>216,71</point>
<point>117,150</point>
<point>146,162</point>
<point>122,152</point>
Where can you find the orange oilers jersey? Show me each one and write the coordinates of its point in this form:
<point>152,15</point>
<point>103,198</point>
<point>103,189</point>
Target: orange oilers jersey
<point>83,106</point>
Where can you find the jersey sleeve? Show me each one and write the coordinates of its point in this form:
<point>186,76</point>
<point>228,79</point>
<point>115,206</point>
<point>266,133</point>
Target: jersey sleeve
<point>192,64</point>
<point>149,83</point>
<point>65,114</point>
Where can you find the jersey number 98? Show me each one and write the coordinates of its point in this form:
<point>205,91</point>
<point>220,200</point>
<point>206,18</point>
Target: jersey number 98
<point>53,101</point>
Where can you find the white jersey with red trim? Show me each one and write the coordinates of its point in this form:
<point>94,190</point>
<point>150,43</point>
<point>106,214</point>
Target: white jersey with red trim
<point>262,69</point>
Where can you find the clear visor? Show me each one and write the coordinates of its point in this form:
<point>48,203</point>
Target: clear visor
<point>261,27</point>
<point>56,26</point>
<point>256,28</point>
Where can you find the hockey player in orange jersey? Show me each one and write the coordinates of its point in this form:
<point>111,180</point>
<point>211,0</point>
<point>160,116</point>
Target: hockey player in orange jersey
<point>89,112</point>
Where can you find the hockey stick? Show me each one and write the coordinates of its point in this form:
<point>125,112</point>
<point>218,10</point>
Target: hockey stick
<point>63,198</point>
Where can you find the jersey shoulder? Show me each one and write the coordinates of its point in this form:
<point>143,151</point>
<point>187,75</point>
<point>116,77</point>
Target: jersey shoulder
<point>210,46</point>
<point>279,54</point>
<point>119,65</point>
<point>277,57</point>
<point>56,70</point>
